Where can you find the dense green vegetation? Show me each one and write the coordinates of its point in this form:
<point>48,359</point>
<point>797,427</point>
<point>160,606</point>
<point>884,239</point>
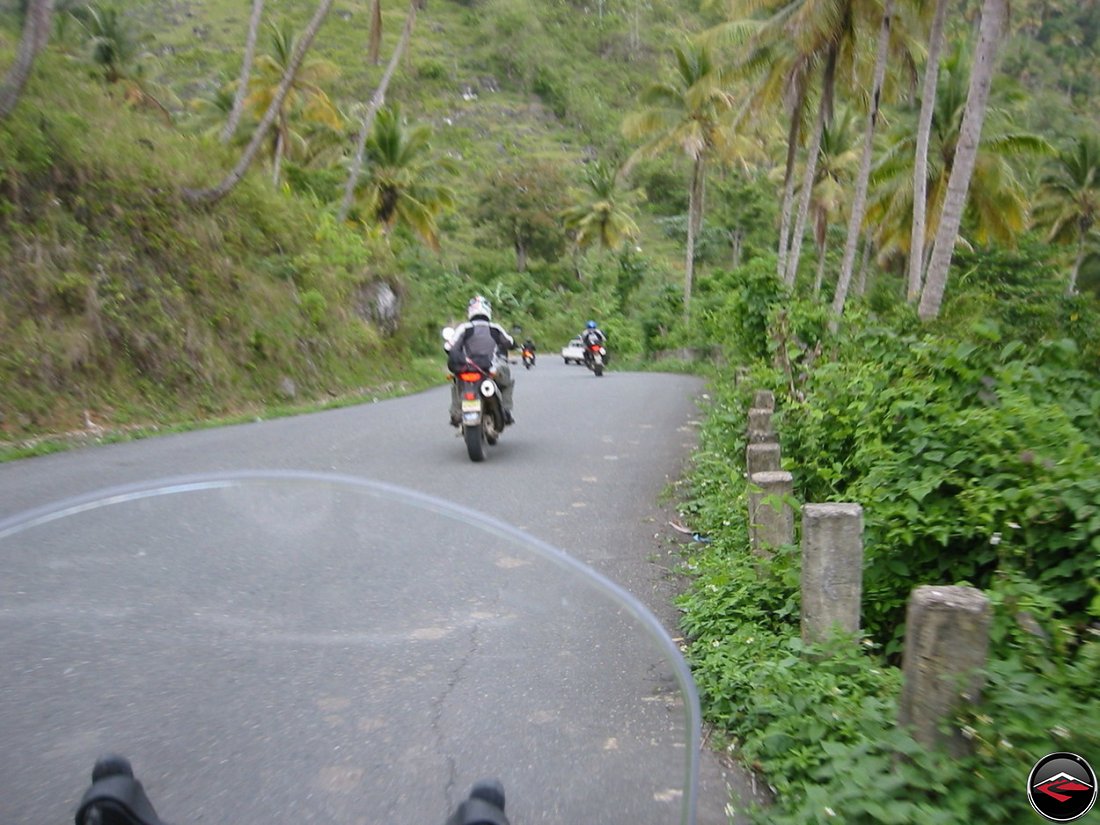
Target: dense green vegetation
<point>973,449</point>
<point>635,163</point>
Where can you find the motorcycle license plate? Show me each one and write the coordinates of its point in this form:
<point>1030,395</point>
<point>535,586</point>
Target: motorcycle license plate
<point>471,406</point>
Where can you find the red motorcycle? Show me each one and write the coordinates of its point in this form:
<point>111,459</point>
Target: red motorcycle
<point>595,357</point>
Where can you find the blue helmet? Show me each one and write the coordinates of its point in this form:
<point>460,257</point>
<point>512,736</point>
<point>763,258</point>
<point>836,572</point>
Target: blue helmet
<point>591,325</point>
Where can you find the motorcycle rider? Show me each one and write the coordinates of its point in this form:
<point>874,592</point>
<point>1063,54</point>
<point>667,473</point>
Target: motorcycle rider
<point>487,345</point>
<point>592,336</point>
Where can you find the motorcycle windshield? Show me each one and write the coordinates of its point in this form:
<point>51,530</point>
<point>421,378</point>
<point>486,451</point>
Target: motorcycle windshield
<point>289,647</point>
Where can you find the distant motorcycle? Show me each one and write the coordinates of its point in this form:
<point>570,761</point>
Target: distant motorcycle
<point>528,357</point>
<point>595,357</point>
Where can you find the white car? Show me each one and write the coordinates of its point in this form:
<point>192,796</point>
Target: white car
<point>573,351</point>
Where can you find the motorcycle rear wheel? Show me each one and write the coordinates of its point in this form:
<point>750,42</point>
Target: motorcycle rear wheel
<point>475,442</point>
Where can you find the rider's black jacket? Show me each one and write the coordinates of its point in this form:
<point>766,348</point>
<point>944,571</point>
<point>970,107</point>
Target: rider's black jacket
<point>480,341</point>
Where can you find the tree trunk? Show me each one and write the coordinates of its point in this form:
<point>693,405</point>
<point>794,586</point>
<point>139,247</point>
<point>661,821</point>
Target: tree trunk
<point>521,253</point>
<point>374,39</point>
<point>819,276</point>
<point>990,33</point>
<point>920,161</point>
<point>737,238</point>
<point>280,149</point>
<point>793,135</point>
<point>1071,287</point>
<point>864,268</point>
<point>36,33</point>
<point>824,115</point>
<point>376,102</point>
<point>216,193</point>
<point>859,203</point>
<point>246,72</point>
<point>695,213</point>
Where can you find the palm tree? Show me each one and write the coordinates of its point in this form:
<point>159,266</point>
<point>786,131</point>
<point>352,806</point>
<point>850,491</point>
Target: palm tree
<point>305,97</point>
<point>396,188</point>
<point>114,48</point>
<point>246,71</point>
<point>1069,203</point>
<point>920,160</point>
<point>804,38</point>
<point>990,33</point>
<point>688,114</point>
<point>216,193</point>
<point>835,170</point>
<point>859,202</point>
<point>601,217</point>
<point>376,101</point>
<point>36,33</point>
<point>996,207</point>
<point>783,79</point>
<point>118,52</point>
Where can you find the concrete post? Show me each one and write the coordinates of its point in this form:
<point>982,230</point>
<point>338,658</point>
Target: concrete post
<point>946,642</point>
<point>771,524</point>
<point>762,458</point>
<point>760,426</point>
<point>764,400</point>
<point>832,569</point>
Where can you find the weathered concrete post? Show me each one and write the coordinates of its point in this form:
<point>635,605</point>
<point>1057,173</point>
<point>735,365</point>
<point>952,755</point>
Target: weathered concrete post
<point>764,400</point>
<point>832,569</point>
<point>771,524</point>
<point>762,458</point>
<point>760,426</point>
<point>946,642</point>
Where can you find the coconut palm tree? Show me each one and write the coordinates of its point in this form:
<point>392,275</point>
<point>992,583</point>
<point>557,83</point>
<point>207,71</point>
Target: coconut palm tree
<point>118,52</point>
<point>243,81</point>
<point>859,202</point>
<point>36,32</point>
<point>990,34</point>
<point>780,78</point>
<point>996,207</point>
<point>304,98</point>
<point>920,159</point>
<point>397,188</point>
<point>1069,200</point>
<point>376,101</point>
<point>689,114</point>
<point>601,217</point>
<point>216,193</point>
<point>836,167</point>
<point>803,39</point>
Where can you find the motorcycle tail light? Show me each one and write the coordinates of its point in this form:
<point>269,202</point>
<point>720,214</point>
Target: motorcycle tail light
<point>472,377</point>
<point>470,396</point>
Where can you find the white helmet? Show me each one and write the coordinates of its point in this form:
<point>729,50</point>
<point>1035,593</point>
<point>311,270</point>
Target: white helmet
<point>479,306</point>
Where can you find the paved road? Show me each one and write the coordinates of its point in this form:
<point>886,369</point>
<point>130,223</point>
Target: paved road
<point>582,470</point>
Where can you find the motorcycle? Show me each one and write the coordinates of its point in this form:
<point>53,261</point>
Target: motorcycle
<point>528,357</point>
<point>482,408</point>
<point>290,647</point>
<point>595,357</point>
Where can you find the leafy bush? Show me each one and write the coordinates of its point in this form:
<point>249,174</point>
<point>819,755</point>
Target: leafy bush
<point>819,722</point>
<point>966,454</point>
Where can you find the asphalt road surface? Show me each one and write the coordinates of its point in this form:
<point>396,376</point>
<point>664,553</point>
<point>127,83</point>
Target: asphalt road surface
<point>374,676</point>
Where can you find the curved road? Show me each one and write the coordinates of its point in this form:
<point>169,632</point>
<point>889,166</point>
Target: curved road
<point>583,469</point>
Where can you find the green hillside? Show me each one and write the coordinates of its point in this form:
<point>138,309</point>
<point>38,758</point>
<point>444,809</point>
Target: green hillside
<point>126,306</point>
<point>123,302</point>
